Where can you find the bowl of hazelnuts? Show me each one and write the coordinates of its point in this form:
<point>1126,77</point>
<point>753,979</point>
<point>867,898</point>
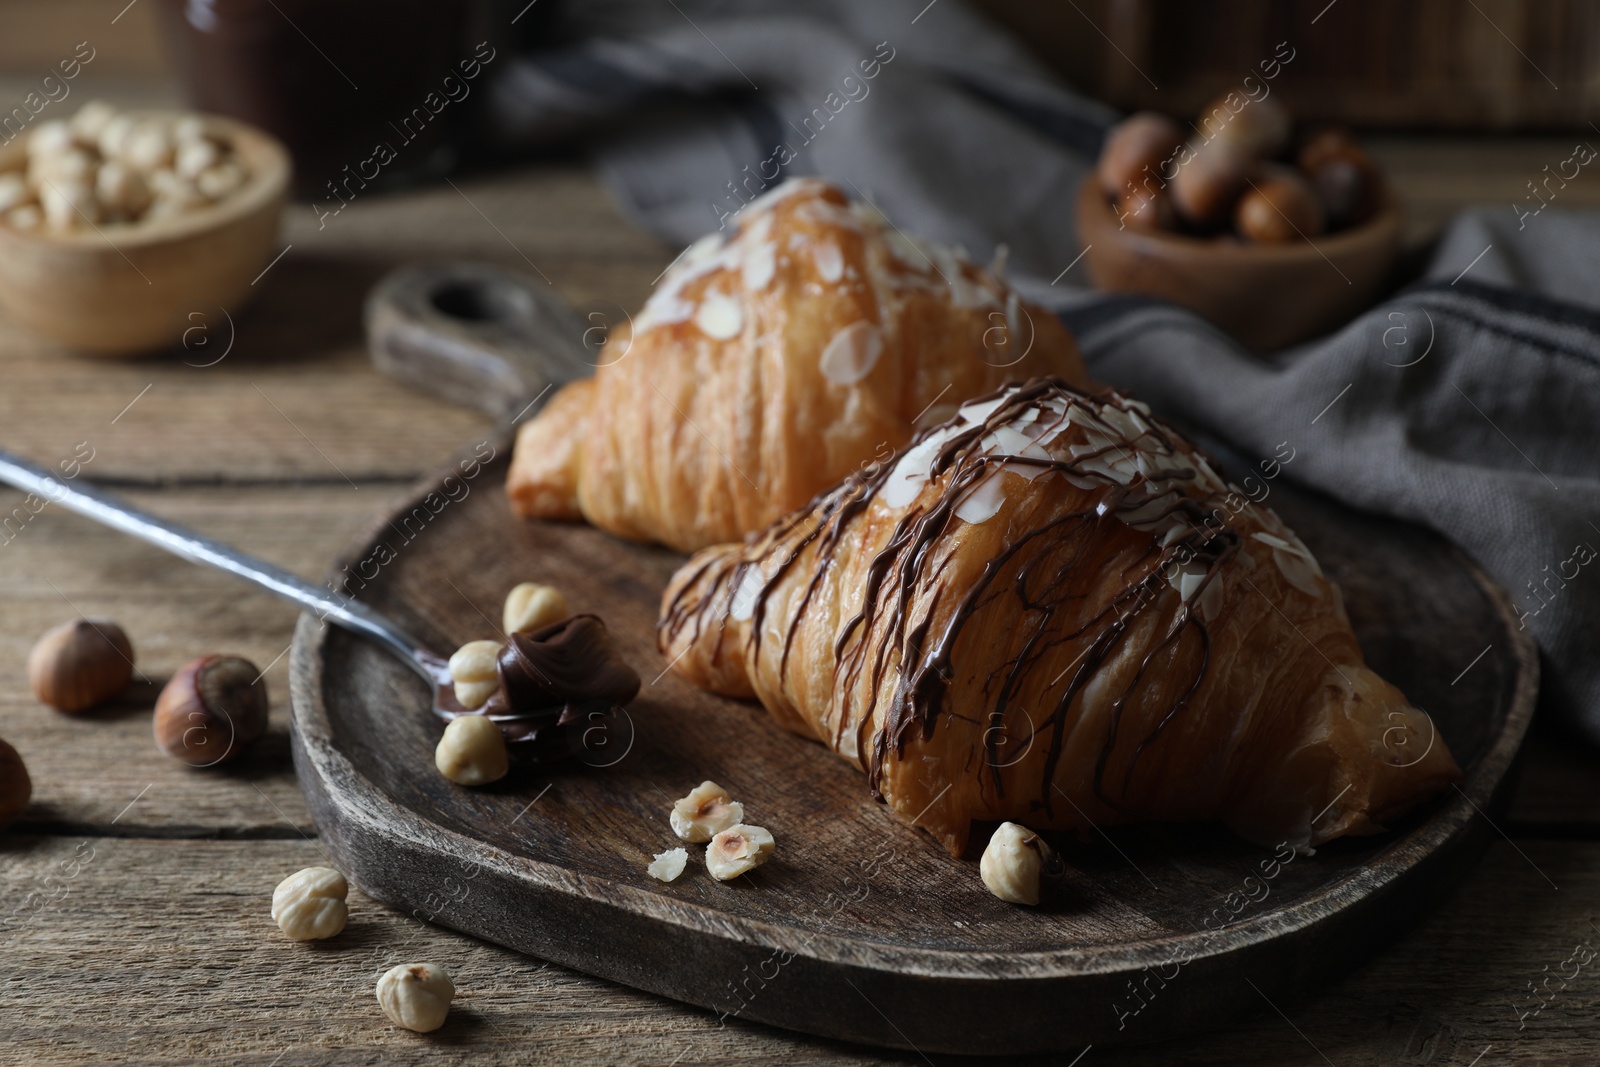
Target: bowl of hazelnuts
<point>117,226</point>
<point>1272,236</point>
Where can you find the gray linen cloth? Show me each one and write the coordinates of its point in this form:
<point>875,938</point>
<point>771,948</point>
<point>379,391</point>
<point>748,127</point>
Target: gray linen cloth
<point>1469,403</point>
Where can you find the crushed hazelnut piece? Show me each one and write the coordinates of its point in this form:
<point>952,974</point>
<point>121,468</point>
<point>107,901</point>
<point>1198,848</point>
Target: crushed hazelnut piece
<point>736,850</point>
<point>705,812</point>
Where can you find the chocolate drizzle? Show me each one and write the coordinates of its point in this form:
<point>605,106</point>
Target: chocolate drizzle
<point>560,687</point>
<point>907,628</point>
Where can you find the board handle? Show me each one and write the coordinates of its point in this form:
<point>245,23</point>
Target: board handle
<point>476,335</point>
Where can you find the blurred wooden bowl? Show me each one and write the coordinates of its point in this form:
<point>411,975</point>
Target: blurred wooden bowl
<point>1266,296</point>
<point>130,288</point>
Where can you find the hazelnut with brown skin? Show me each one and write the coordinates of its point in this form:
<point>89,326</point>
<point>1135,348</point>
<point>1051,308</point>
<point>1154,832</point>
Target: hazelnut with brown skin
<point>1279,209</point>
<point>1246,126</point>
<point>211,711</point>
<point>1346,179</point>
<point>1209,180</point>
<point>1135,151</point>
<point>1147,212</point>
<point>80,664</point>
<point>16,788</point>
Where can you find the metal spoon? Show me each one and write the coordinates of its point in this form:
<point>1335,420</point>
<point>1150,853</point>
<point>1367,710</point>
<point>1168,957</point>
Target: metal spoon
<point>107,509</point>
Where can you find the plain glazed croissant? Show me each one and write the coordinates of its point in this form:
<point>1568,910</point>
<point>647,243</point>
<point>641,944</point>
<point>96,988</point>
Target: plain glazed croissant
<point>1051,611</point>
<point>767,367</point>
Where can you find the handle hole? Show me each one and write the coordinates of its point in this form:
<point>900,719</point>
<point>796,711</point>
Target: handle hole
<point>463,300</point>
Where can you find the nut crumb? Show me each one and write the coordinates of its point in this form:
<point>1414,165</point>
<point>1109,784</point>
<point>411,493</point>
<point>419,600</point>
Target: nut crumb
<point>668,864</point>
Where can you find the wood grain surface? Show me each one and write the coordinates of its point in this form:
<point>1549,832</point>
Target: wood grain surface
<point>158,950</point>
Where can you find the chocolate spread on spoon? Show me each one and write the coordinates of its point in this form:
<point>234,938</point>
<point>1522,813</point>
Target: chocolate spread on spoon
<point>558,685</point>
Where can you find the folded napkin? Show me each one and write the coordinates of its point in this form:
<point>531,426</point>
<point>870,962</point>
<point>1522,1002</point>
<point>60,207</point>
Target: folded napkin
<point>1469,403</point>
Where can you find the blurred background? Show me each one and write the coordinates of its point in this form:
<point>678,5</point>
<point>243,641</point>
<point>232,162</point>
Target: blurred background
<point>1460,100</point>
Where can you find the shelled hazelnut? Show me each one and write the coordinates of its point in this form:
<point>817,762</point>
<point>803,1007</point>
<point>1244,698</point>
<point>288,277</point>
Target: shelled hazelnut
<point>472,751</point>
<point>105,167</point>
<point>80,664</point>
<point>310,904</point>
<point>530,606</point>
<point>416,996</point>
<point>16,788</point>
<point>1016,862</point>
<point>475,671</point>
<point>211,711</point>
<point>736,850</point>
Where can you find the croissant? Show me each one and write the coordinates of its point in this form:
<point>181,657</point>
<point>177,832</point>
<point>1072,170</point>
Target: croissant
<point>767,366</point>
<point>1050,610</point>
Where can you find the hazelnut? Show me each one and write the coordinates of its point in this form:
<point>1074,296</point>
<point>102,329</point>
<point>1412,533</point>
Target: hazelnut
<point>114,135</point>
<point>668,864</point>
<point>472,751</point>
<point>219,180</point>
<point>1281,208</point>
<point>309,905</point>
<point>15,786</point>
<point>1258,128</point>
<point>122,190</point>
<point>149,146</point>
<point>1346,179</point>
<point>416,996</point>
<point>71,167</point>
<point>1014,863</point>
<point>530,606</point>
<point>68,204</point>
<point>195,155</point>
<point>49,139</point>
<point>26,217</point>
<point>211,711</point>
<point>1135,150</point>
<point>1207,185</point>
<point>91,119</point>
<point>80,664</point>
<point>189,128</point>
<point>476,673</point>
<point>14,191</point>
<point>1146,211</point>
<point>705,812</point>
<point>736,850</point>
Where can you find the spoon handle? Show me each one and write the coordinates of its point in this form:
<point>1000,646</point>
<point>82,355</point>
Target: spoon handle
<point>105,508</point>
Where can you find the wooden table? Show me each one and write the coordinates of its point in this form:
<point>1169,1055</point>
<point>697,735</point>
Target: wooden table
<point>134,893</point>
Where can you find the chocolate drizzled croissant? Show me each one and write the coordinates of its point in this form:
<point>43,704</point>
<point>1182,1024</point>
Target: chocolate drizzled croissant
<point>1051,610</point>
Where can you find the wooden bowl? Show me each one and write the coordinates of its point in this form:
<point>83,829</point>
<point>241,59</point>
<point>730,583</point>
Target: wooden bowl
<point>130,288</point>
<point>1266,296</point>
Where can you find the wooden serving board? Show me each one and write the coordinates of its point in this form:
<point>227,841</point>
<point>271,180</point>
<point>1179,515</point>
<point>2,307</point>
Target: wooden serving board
<point>861,927</point>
